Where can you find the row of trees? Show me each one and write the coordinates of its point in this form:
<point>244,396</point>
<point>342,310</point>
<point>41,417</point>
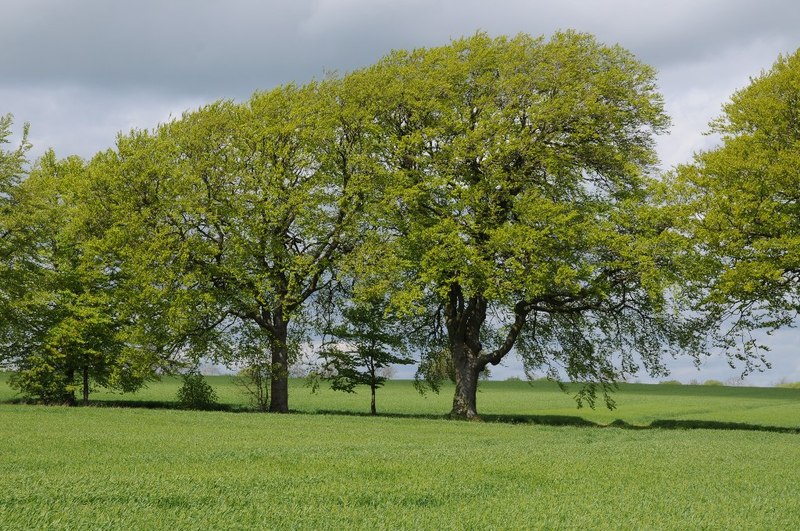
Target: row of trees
<point>460,202</point>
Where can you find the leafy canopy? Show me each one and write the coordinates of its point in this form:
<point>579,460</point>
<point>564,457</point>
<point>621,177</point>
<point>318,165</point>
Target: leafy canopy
<point>740,203</point>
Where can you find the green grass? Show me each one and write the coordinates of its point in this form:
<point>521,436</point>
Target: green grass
<point>138,468</point>
<point>542,402</point>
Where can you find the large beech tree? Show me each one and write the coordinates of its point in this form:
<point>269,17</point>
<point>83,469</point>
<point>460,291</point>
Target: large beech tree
<point>235,215</point>
<point>739,206</point>
<point>515,209</point>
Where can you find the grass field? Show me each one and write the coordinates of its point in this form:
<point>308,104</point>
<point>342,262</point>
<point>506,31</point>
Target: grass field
<point>537,462</point>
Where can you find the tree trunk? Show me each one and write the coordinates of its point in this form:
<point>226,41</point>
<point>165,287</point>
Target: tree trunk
<point>69,396</point>
<point>464,318</point>
<point>85,385</point>
<point>372,409</point>
<point>279,384</point>
<point>466,372</point>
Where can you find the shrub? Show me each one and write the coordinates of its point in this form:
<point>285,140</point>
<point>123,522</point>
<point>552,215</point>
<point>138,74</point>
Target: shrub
<point>196,393</point>
<point>713,382</point>
<point>255,381</point>
<point>670,382</point>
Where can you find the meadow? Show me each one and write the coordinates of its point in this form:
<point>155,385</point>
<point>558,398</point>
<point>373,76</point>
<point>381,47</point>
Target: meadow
<point>535,462</point>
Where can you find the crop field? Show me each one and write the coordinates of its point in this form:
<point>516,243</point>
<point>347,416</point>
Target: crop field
<point>535,462</point>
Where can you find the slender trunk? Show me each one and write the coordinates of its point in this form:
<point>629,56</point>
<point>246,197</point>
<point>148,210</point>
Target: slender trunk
<point>466,372</point>
<point>69,396</point>
<point>85,385</point>
<point>372,409</point>
<point>279,385</point>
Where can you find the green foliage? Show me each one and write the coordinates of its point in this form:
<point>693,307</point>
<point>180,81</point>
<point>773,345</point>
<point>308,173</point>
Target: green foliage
<point>670,382</point>
<point>366,342</point>
<point>713,383</point>
<point>737,206</point>
<point>65,316</point>
<point>516,186</point>
<point>41,378</point>
<point>196,393</point>
<point>14,244</point>
<point>233,216</point>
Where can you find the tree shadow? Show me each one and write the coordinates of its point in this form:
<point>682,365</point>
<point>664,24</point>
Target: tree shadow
<point>659,424</point>
<point>539,420</point>
<point>574,421</point>
<point>669,424</point>
<point>389,415</point>
<point>133,404</point>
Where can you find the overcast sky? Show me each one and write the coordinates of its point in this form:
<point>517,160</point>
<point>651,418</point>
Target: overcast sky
<point>80,71</point>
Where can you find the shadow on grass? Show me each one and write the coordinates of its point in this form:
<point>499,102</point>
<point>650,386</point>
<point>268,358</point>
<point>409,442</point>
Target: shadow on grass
<point>579,422</point>
<point>661,424</point>
<point>138,404</point>
<point>539,420</point>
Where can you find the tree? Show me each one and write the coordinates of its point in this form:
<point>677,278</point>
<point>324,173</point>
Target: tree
<point>65,328</point>
<point>366,342</point>
<point>739,205</point>
<point>235,214</point>
<point>515,209</point>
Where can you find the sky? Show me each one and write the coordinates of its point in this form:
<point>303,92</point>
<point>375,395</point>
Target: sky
<point>81,71</point>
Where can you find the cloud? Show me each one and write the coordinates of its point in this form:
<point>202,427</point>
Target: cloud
<point>206,47</point>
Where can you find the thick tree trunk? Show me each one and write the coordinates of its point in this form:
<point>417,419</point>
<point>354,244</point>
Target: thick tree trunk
<point>85,385</point>
<point>372,409</point>
<point>464,321</point>
<point>279,385</point>
<point>466,372</point>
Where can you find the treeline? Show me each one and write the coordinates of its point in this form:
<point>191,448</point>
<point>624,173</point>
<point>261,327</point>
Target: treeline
<point>459,202</point>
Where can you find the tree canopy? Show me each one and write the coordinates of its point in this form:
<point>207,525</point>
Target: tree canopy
<point>740,207</point>
<point>234,215</point>
<point>498,197</point>
<point>514,213</point>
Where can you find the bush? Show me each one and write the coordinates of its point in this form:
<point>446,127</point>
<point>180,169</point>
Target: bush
<point>255,380</point>
<point>670,382</point>
<point>713,383</point>
<point>196,393</point>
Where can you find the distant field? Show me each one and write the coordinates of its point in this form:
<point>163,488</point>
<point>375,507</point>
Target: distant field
<point>136,468</point>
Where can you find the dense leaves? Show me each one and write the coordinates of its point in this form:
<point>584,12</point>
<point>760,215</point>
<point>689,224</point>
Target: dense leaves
<point>64,325</point>
<point>740,203</point>
<point>240,212</point>
<point>495,194</point>
<point>515,214</point>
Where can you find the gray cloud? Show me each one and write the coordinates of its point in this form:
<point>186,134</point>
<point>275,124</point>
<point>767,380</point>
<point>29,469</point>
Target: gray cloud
<point>231,48</point>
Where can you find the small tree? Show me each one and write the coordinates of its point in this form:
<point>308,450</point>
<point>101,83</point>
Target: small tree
<point>365,344</point>
<point>62,329</point>
<point>254,379</point>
